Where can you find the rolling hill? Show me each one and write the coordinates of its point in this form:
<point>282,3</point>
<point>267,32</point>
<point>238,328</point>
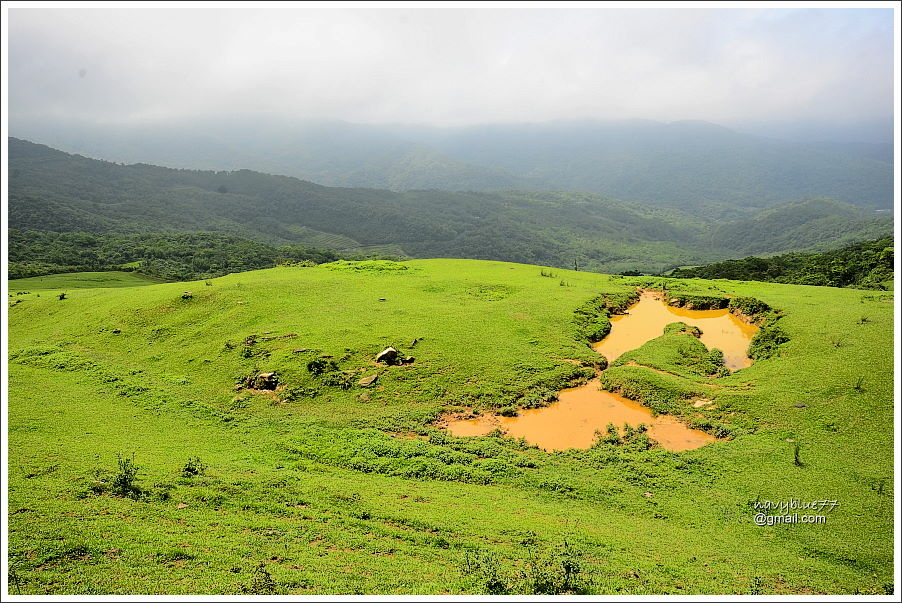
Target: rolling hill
<point>137,466</point>
<point>54,191</point>
<point>695,166</point>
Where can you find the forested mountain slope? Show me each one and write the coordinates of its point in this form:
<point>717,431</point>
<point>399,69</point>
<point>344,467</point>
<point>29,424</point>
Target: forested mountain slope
<point>696,166</point>
<point>53,191</point>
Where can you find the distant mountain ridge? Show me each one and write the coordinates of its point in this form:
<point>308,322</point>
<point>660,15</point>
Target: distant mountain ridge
<point>50,190</point>
<point>694,166</point>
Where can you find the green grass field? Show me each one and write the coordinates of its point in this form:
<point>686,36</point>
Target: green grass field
<point>79,280</point>
<point>327,487</point>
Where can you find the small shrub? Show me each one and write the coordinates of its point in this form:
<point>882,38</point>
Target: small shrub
<point>755,586</point>
<point>697,302</point>
<point>294,394</point>
<point>318,366</point>
<point>193,467</point>
<point>262,583</point>
<point>682,327</point>
<point>124,481</point>
<point>766,341</point>
<point>537,398</point>
<point>878,486</point>
<point>341,379</point>
<point>748,306</point>
<point>612,436</point>
<point>484,568</point>
<point>557,571</point>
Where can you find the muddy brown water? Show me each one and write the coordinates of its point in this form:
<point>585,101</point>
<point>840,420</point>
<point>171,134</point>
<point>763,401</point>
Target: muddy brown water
<point>647,318</point>
<point>573,420</point>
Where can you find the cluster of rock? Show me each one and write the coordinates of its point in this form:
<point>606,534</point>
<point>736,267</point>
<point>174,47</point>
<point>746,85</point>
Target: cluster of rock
<point>268,381</point>
<point>391,356</point>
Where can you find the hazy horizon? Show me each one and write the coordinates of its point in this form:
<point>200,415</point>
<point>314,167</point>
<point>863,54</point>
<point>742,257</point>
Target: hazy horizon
<point>454,66</point>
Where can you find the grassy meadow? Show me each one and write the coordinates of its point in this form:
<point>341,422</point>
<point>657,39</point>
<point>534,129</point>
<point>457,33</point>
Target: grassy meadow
<point>78,280</point>
<point>138,465</point>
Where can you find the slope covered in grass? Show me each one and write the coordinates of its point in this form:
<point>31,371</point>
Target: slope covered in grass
<point>325,486</point>
<point>79,280</point>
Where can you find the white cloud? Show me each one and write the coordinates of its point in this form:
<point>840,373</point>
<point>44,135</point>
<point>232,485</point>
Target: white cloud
<point>450,65</point>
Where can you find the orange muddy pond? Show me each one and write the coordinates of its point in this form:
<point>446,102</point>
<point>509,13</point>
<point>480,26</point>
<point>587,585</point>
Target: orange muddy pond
<point>571,422</point>
<point>647,318</point>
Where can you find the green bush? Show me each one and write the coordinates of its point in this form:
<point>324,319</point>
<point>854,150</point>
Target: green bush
<point>697,302</point>
<point>682,327</point>
<point>123,483</point>
<point>592,319</point>
<point>749,306</point>
<point>766,341</point>
<point>193,467</point>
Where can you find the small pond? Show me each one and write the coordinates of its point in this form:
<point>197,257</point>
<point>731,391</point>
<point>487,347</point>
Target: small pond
<point>647,318</point>
<point>573,420</point>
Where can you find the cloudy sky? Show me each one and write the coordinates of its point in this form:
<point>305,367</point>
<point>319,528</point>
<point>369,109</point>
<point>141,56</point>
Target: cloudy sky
<point>451,66</point>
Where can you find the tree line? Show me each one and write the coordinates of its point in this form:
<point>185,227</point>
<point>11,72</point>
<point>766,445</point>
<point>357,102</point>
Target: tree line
<point>865,265</point>
<point>174,257</point>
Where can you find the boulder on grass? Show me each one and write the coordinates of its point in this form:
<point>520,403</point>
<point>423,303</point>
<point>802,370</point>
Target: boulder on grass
<point>389,356</point>
<point>264,381</point>
<point>367,381</point>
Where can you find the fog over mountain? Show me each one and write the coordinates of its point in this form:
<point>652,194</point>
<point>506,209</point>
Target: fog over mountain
<point>452,65</point>
<point>718,112</point>
<point>698,167</point>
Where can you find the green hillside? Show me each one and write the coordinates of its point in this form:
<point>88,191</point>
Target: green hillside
<point>78,280</point>
<point>696,166</point>
<point>53,191</point>
<point>811,224</point>
<point>137,466</point>
<point>699,167</point>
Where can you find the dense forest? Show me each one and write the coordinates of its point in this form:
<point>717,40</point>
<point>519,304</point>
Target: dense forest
<point>176,257</point>
<point>54,191</point>
<point>866,265</point>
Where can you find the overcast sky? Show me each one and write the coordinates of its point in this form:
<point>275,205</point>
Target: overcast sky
<point>451,66</point>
